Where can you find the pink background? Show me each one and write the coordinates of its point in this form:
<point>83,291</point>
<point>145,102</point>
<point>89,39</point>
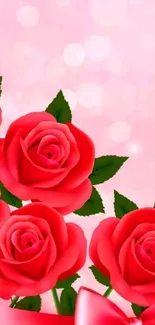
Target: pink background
<point>101,53</point>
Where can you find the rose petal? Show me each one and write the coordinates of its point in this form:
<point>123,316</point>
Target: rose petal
<point>26,123</point>
<point>12,225</point>
<point>66,262</point>
<point>106,256</point>
<point>34,138</point>
<point>95,239</point>
<point>12,155</point>
<point>41,159</point>
<point>39,176</point>
<point>137,235</point>
<point>2,157</point>
<point>50,126</point>
<point>54,219</point>
<point>81,195</point>
<point>86,163</point>
<point>68,200</point>
<point>73,157</point>
<point>141,248</point>
<point>29,253</point>
<point>7,288</point>
<point>14,169</point>
<point>133,271</point>
<point>20,240</point>
<point>4,212</point>
<point>69,164</point>
<point>51,137</point>
<point>44,260</point>
<point>36,173</point>
<point>62,141</point>
<point>145,289</point>
<point>76,237</point>
<point>148,291</point>
<point>55,199</point>
<point>129,222</point>
<point>10,273</point>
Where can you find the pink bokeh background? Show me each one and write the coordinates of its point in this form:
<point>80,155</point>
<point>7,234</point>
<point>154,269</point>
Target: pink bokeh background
<point>101,53</point>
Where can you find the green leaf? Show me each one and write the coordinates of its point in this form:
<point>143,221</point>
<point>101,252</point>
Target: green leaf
<point>106,167</point>
<point>68,282</point>
<point>122,205</point>
<point>138,309</point>
<point>93,206</point>
<point>0,85</point>
<point>60,109</point>
<point>29,303</point>
<point>99,276</point>
<point>9,198</point>
<point>67,301</point>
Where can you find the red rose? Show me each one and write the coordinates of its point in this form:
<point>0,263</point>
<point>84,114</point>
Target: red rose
<point>41,159</point>
<point>124,249</point>
<point>37,248</point>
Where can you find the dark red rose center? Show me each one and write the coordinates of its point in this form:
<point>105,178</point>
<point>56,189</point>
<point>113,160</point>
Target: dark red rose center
<point>27,240</point>
<point>145,251</point>
<point>149,247</point>
<point>25,244</point>
<point>48,152</point>
<point>52,152</point>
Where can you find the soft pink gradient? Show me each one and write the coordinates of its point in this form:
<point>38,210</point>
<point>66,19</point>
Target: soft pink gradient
<point>101,53</point>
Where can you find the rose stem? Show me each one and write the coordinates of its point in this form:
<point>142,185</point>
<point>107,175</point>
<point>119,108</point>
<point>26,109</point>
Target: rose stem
<point>13,302</point>
<point>56,300</point>
<point>108,292</point>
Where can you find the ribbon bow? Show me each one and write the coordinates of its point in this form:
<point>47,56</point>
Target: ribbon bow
<point>94,309</point>
<point>91,309</point>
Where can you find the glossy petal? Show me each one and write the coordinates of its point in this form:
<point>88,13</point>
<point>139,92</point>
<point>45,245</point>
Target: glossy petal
<point>129,222</point>
<point>54,220</point>
<point>106,255</point>
<point>76,237</point>
<point>81,195</point>
<point>85,165</point>
<point>26,123</point>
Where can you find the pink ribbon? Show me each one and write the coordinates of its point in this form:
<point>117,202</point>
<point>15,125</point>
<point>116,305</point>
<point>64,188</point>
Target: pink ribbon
<point>91,309</point>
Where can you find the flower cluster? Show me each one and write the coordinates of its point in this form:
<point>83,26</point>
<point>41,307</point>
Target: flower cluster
<point>49,162</point>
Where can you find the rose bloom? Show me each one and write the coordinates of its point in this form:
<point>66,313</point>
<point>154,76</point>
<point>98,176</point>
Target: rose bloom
<point>43,160</point>
<point>124,250</point>
<point>37,248</point>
